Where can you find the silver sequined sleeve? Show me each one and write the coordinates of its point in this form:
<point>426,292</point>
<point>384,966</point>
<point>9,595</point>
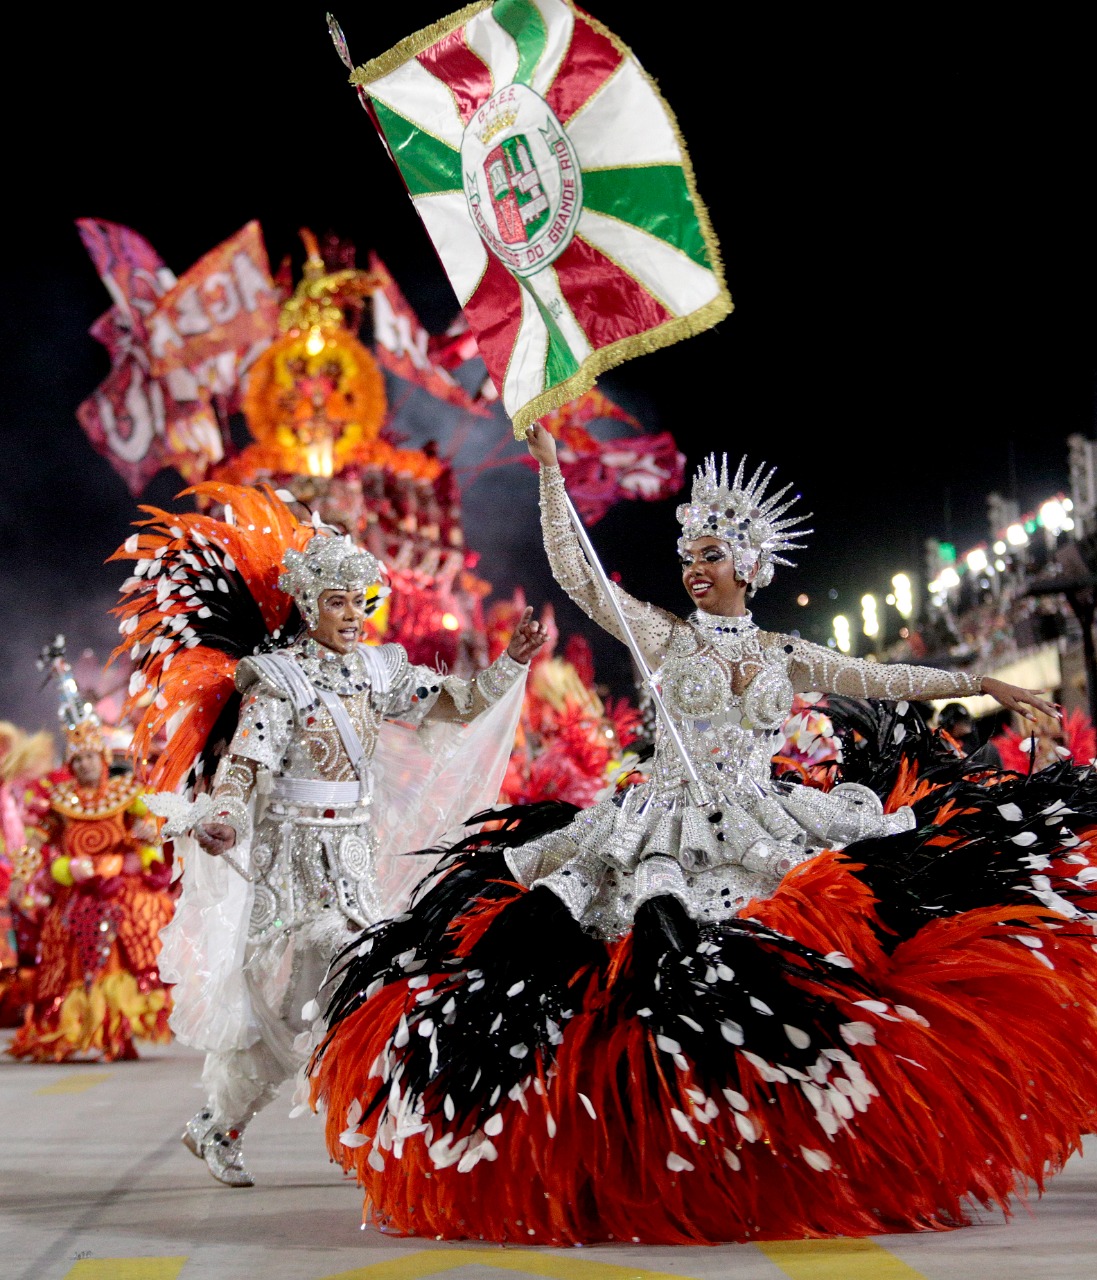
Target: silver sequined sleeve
<point>651,626</point>
<point>420,693</point>
<point>264,728</point>
<point>814,669</point>
<point>233,784</point>
<point>464,700</point>
<point>262,736</point>
<point>412,690</point>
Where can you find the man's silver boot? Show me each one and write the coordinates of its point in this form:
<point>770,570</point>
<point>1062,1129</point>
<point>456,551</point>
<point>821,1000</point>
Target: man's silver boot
<point>219,1147</point>
<point>224,1157</point>
<point>195,1131</point>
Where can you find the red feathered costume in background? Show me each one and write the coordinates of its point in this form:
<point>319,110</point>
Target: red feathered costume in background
<point>1048,743</point>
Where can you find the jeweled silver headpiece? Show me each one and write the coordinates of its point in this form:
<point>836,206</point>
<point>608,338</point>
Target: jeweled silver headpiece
<point>329,562</point>
<point>743,517</point>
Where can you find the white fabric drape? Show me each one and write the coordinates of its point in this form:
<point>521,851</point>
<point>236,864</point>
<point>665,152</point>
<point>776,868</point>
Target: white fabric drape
<point>203,951</point>
<point>428,781</point>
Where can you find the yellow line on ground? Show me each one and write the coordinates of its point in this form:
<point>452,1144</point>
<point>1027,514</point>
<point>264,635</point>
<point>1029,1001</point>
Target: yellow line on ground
<point>76,1083</point>
<point>559,1266</point>
<point>126,1269</point>
<point>837,1260</point>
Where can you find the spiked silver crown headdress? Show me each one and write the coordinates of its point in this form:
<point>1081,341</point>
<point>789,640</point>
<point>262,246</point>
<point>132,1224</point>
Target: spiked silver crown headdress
<point>741,515</point>
<point>329,562</point>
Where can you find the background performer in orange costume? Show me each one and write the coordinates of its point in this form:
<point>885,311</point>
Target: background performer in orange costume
<point>96,986</point>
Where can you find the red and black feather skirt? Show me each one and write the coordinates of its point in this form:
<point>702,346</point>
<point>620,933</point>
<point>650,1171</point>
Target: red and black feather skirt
<point>904,1030</point>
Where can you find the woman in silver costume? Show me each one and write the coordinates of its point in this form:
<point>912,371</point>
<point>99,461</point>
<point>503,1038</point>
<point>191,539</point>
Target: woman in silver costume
<point>729,686</point>
<point>703,1009</point>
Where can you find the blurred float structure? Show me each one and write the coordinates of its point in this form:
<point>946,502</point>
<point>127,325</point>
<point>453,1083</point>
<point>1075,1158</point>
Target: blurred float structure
<point>232,373</point>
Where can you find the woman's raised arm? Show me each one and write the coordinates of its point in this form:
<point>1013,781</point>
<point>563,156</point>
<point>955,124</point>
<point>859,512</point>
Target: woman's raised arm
<point>652,627</point>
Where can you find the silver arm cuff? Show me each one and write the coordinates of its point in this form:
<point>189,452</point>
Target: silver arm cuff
<point>495,680</point>
<point>233,785</point>
<point>234,813</point>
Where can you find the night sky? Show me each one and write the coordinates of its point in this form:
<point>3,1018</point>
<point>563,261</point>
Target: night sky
<point>901,197</point>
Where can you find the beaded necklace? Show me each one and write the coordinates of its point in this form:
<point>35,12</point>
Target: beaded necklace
<point>343,673</point>
<point>727,635</point>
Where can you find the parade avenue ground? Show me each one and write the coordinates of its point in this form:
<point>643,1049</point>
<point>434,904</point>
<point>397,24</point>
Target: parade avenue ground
<point>97,1186</point>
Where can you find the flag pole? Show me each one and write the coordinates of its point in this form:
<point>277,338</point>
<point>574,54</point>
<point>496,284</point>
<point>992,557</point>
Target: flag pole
<point>698,790</point>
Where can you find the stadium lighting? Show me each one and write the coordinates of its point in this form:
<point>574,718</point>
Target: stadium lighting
<point>904,595</point>
<point>841,633</point>
<point>1016,536</point>
<point>1053,516</point>
<point>869,618</point>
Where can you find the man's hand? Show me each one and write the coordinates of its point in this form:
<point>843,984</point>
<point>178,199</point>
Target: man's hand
<point>1017,699</point>
<point>528,635</point>
<point>541,445</point>
<point>215,837</point>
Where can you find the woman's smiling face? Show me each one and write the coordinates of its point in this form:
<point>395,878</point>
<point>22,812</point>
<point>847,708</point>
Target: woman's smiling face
<point>708,574</point>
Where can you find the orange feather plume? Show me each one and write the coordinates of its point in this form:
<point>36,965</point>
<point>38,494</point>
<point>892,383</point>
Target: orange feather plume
<point>204,593</point>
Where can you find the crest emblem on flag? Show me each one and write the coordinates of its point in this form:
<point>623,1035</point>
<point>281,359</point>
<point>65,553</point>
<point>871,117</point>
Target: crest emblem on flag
<point>554,184</point>
<point>522,180</point>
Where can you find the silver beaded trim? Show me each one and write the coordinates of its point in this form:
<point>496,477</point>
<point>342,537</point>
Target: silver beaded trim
<point>659,876</point>
<point>495,680</point>
<point>575,884</point>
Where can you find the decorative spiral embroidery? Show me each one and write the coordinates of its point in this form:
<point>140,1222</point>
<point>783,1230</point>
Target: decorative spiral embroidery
<point>354,857</point>
<point>86,837</point>
<point>695,687</point>
<point>768,699</point>
<point>262,857</point>
<point>264,908</point>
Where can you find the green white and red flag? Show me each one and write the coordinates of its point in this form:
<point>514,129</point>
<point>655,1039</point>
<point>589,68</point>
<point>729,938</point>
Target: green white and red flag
<point>556,188</point>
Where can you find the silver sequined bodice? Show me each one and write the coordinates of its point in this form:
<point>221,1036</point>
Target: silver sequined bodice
<point>729,697</point>
<point>729,687</point>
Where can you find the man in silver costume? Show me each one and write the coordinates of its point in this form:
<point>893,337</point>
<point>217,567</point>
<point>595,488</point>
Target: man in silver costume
<point>294,811</point>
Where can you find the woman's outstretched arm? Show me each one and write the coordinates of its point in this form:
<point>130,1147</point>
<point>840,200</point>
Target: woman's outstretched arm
<point>817,670</point>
